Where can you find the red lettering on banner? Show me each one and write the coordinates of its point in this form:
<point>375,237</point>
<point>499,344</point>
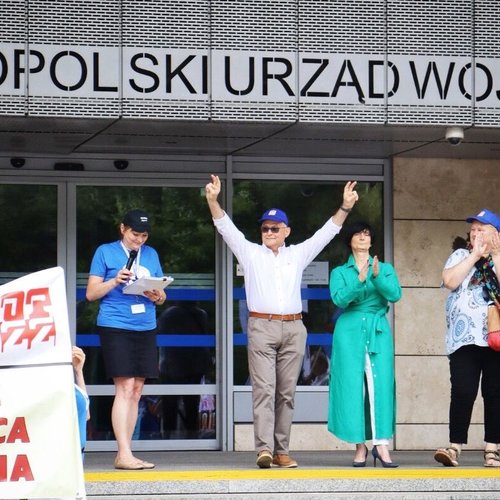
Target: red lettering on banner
<point>20,470</point>
<point>18,431</point>
<point>38,298</point>
<point>3,421</point>
<point>26,317</point>
<point>12,306</point>
<point>42,332</point>
<point>3,468</point>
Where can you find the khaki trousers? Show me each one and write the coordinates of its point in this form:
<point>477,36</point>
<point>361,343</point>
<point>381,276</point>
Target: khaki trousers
<point>275,355</point>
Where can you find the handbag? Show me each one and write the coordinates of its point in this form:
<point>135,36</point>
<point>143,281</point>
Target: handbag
<point>494,327</point>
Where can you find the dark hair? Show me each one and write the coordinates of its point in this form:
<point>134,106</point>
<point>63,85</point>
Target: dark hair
<point>354,228</point>
<point>460,242</point>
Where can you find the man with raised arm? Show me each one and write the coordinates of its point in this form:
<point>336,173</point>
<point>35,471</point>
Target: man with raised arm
<point>276,333</point>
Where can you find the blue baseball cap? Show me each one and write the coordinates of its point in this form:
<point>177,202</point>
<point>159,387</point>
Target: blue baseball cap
<point>486,217</point>
<point>274,214</point>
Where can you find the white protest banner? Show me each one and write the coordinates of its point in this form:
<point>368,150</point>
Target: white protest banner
<point>40,453</point>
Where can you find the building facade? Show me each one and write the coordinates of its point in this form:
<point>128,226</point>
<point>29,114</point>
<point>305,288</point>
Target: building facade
<point>110,104</point>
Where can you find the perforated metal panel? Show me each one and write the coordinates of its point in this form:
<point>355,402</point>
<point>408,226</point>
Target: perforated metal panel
<point>166,23</point>
<point>75,23</point>
<point>430,28</point>
<point>76,107</point>
<point>254,24</point>
<point>165,109</point>
<point>12,105</point>
<point>437,28</point>
<point>13,29</point>
<point>487,28</point>
<point>429,115</point>
<point>79,22</point>
<point>342,113</point>
<point>254,111</point>
<point>487,44</point>
<point>343,26</point>
<point>13,21</point>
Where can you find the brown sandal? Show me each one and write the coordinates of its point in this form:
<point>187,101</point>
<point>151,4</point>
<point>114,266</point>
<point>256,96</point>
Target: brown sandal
<point>491,458</point>
<point>447,456</point>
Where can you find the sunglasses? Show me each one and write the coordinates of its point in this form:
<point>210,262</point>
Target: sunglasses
<point>273,229</point>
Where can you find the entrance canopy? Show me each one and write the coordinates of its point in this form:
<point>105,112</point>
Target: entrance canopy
<point>42,142</point>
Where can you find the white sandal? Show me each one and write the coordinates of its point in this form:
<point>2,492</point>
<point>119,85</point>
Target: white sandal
<point>447,456</point>
<point>491,458</point>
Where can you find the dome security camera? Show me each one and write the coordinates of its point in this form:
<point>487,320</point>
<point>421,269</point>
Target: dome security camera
<point>121,164</point>
<point>17,162</point>
<point>454,135</point>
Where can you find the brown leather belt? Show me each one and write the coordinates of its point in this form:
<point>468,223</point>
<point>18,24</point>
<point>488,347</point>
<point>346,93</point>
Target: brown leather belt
<point>276,317</point>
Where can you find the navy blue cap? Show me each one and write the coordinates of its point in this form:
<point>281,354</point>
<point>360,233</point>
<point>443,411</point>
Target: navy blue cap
<point>138,220</point>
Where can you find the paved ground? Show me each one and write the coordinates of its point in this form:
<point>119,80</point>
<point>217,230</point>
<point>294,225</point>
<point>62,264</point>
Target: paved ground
<point>217,460</point>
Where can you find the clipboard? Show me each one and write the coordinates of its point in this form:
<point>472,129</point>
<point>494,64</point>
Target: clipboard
<point>150,283</point>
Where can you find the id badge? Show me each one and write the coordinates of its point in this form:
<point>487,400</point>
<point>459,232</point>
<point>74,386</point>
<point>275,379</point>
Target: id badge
<point>138,308</point>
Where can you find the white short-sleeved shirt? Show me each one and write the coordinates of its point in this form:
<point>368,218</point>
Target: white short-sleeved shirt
<point>466,310</point>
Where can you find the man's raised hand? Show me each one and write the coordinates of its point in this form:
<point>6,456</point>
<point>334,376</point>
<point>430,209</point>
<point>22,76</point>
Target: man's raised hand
<point>350,195</point>
<point>212,189</point>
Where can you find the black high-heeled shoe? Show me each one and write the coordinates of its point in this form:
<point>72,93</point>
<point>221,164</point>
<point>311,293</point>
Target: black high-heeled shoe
<point>387,465</point>
<point>361,464</point>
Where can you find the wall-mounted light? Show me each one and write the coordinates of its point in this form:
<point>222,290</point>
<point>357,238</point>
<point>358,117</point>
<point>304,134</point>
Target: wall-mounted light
<point>121,164</point>
<point>17,162</point>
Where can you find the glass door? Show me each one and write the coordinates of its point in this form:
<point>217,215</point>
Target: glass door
<point>308,205</point>
<point>178,411</point>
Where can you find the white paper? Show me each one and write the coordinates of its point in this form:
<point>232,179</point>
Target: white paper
<point>151,283</point>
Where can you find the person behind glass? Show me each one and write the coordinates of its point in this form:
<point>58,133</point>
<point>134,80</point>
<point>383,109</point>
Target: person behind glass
<point>183,365</point>
<point>127,325</point>
<point>471,275</point>
<point>362,403</point>
<point>276,333</point>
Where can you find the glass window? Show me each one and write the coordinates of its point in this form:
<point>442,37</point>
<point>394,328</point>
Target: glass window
<point>308,206</point>
<point>28,218</point>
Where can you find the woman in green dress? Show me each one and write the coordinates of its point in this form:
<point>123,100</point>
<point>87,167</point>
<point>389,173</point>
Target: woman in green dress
<point>362,402</point>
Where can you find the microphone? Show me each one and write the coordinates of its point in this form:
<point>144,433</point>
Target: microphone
<point>131,257</point>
